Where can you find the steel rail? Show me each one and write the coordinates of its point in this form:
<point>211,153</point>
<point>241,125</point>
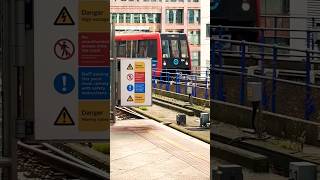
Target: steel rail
<point>66,166</point>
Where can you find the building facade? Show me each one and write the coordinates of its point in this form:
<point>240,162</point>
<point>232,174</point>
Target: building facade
<point>184,16</point>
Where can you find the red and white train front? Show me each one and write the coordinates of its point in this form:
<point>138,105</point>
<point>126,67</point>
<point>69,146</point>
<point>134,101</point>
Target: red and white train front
<point>169,51</point>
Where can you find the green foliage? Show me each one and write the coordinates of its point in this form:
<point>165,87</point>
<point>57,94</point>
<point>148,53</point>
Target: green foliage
<point>102,147</point>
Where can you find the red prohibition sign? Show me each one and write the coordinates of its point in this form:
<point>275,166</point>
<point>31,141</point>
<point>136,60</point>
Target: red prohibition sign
<point>64,49</point>
<point>130,77</point>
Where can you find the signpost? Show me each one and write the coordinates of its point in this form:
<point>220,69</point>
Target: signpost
<point>136,82</point>
<point>71,70</point>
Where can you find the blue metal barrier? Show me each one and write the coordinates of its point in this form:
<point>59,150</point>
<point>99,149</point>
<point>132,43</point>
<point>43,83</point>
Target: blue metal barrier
<point>206,91</point>
<point>194,87</point>
<point>309,105</point>
<point>177,81</point>
<point>167,81</point>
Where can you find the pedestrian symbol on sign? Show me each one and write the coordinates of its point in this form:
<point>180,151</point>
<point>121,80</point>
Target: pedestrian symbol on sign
<point>64,49</point>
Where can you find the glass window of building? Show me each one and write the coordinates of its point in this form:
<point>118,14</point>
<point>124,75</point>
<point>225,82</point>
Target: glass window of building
<point>150,18</point>
<point>195,56</point>
<point>121,18</point>
<point>158,18</point>
<point>174,16</point>
<point>179,16</point>
<point>114,18</point>
<point>128,18</point>
<point>274,7</point>
<point>194,16</point>
<point>143,19</point>
<point>194,37</point>
<point>136,18</point>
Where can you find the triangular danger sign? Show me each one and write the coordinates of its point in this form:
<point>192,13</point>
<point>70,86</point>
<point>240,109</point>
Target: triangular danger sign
<point>130,67</point>
<point>64,18</point>
<point>64,118</point>
<point>130,99</point>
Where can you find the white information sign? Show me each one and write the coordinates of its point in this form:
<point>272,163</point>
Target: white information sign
<point>71,70</point>
<point>136,82</point>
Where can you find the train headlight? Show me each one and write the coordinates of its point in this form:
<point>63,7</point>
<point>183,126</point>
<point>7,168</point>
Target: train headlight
<point>245,6</point>
<point>187,63</point>
<point>164,63</point>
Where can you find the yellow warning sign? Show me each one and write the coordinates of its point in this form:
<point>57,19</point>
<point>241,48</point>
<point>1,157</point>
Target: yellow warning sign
<point>94,16</point>
<point>139,98</point>
<point>139,66</point>
<point>130,67</point>
<point>64,18</point>
<point>64,118</point>
<point>94,115</point>
<point>130,99</point>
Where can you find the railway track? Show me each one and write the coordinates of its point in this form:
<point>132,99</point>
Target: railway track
<point>45,161</point>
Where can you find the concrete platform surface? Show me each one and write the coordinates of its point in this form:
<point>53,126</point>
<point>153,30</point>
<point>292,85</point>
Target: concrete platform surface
<point>145,149</point>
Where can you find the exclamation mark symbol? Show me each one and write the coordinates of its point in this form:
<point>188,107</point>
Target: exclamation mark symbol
<point>64,83</point>
<point>64,116</point>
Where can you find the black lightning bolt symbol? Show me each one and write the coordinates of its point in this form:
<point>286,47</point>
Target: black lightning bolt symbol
<point>64,17</point>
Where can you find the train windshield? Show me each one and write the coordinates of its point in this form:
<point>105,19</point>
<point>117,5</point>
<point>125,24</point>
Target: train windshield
<point>174,46</point>
<point>137,49</point>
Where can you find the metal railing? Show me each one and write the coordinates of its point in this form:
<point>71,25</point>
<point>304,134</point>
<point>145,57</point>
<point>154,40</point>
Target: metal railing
<point>218,69</point>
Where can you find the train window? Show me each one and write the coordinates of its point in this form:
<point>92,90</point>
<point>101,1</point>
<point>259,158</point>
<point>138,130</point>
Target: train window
<point>165,49</point>
<point>142,49</point>
<point>175,49</point>
<point>152,49</point>
<point>184,49</point>
<point>121,49</point>
<point>134,51</point>
<point>129,49</point>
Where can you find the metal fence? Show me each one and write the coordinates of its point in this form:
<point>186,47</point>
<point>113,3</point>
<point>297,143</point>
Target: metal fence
<point>273,82</point>
<point>193,83</point>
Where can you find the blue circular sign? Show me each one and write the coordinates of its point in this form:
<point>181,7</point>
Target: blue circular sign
<point>176,61</point>
<point>64,83</point>
<point>130,87</point>
<point>216,4</point>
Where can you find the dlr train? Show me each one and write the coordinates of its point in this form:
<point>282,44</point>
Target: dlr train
<point>244,13</point>
<point>169,51</point>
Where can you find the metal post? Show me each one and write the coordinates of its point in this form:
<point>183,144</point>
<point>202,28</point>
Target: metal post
<point>274,76</point>
<point>261,64</point>
<point>221,84</point>
<point>177,82</point>
<point>195,86</point>
<point>242,63</point>
<point>308,99</point>
<point>167,81</point>
<point>212,70</point>
<point>10,85</point>
<point>186,84</point>
<point>114,72</point>
<point>275,31</point>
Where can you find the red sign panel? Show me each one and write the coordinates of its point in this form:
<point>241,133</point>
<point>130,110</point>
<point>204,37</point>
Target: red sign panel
<point>139,77</point>
<point>94,49</point>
